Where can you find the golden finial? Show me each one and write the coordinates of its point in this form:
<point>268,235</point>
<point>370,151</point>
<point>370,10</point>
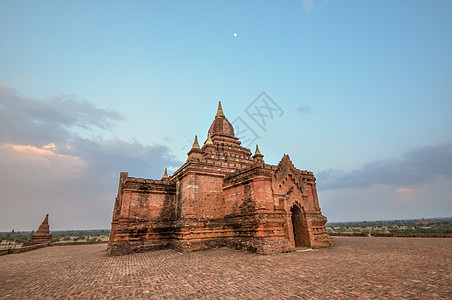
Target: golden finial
<point>208,142</point>
<point>257,151</point>
<point>195,144</point>
<point>219,111</point>
<point>165,175</point>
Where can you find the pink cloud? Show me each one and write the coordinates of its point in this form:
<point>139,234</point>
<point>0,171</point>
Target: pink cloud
<point>44,162</point>
<point>404,190</point>
<point>32,151</point>
<point>406,195</point>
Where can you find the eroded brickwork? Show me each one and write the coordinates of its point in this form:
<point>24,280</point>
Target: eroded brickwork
<point>42,235</point>
<point>222,196</point>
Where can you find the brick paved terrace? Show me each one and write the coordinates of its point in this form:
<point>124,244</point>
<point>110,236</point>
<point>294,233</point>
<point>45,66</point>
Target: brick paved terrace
<point>356,268</point>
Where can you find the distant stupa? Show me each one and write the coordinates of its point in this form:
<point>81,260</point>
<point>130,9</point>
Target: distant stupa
<point>42,236</point>
<point>423,222</point>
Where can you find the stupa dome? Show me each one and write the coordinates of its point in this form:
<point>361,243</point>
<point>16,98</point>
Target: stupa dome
<point>221,125</point>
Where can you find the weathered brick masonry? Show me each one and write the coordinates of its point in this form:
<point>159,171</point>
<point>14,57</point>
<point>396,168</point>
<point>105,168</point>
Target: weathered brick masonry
<point>222,196</point>
<point>42,235</point>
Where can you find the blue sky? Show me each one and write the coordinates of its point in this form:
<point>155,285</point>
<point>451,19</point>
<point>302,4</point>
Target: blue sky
<point>92,88</point>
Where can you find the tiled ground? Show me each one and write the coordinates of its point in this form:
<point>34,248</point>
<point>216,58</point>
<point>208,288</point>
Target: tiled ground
<point>367,268</point>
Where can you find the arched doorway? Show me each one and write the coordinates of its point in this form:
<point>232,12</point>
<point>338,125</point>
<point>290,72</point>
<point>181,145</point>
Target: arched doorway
<point>300,230</point>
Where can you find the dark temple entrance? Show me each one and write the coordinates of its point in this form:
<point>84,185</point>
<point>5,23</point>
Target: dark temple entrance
<point>300,230</point>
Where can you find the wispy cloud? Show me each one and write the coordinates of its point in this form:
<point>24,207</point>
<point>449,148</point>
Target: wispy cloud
<point>304,109</point>
<point>308,5</point>
<point>423,165</point>
<point>33,151</point>
<point>403,190</point>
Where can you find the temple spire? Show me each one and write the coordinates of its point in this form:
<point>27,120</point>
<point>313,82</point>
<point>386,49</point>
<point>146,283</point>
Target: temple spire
<point>257,151</point>
<point>46,219</point>
<point>165,175</point>
<point>209,141</point>
<point>195,151</point>
<point>219,111</point>
<point>195,143</point>
<point>258,155</point>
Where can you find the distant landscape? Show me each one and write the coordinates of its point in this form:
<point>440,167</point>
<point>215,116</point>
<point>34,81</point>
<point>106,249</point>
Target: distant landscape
<point>432,225</point>
<point>16,239</point>
<point>370,228</point>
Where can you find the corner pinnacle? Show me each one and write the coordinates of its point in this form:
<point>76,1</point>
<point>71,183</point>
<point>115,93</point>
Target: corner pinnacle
<point>219,111</point>
<point>257,151</point>
<point>195,144</point>
<point>165,175</point>
<point>208,142</point>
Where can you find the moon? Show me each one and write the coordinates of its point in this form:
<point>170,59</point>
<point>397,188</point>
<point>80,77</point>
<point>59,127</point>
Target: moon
<point>235,34</point>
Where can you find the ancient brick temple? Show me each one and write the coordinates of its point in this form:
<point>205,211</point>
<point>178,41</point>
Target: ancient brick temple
<point>222,196</point>
<point>42,236</point>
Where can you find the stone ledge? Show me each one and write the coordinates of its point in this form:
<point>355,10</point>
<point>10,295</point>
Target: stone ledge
<point>23,249</point>
<point>78,243</point>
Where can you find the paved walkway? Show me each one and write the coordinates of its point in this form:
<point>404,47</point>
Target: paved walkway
<point>356,268</point>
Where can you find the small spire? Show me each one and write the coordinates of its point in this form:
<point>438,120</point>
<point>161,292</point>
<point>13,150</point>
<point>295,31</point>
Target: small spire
<point>219,111</point>
<point>195,144</point>
<point>258,155</point>
<point>257,151</point>
<point>208,142</point>
<point>165,175</point>
<point>46,219</point>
